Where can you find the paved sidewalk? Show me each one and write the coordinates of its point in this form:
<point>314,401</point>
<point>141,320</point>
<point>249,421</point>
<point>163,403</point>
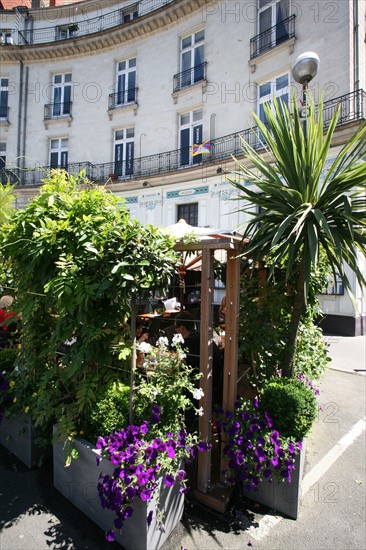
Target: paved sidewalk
<point>34,516</point>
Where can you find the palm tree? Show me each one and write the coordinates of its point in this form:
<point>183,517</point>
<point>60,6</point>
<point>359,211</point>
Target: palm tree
<point>297,208</point>
<point>7,201</point>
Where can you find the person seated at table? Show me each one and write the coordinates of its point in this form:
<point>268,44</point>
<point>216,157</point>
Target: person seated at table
<point>184,324</point>
<point>141,333</point>
<point>5,315</point>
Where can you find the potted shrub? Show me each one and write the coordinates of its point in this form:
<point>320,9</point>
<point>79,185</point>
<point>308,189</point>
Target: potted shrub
<point>17,431</point>
<point>265,443</point>
<point>136,472</point>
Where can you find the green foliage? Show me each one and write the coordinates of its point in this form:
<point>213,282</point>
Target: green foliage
<point>166,381</point>
<point>110,412</point>
<point>78,261</point>
<point>265,316</point>
<point>7,202</point>
<point>312,356</point>
<point>291,406</point>
<point>298,207</point>
<point>8,359</point>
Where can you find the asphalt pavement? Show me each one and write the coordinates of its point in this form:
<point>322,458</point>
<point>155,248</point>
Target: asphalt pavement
<point>34,516</point>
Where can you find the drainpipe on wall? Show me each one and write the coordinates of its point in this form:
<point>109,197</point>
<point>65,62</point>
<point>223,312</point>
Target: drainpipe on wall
<point>356,47</point>
<point>20,102</point>
<point>25,117</point>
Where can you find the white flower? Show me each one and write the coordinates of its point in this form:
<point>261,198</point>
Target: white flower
<point>199,411</point>
<point>144,347</point>
<point>177,339</point>
<point>198,393</point>
<point>163,342</point>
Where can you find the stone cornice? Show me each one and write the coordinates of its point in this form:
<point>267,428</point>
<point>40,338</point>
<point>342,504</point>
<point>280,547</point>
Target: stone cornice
<point>106,39</point>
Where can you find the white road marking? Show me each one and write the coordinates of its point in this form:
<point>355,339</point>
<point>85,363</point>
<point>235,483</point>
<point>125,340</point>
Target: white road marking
<point>269,521</point>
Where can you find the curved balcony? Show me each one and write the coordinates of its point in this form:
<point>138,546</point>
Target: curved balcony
<point>352,109</point>
<point>84,27</point>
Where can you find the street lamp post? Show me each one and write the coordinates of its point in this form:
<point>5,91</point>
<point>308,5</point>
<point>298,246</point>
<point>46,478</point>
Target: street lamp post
<point>303,70</point>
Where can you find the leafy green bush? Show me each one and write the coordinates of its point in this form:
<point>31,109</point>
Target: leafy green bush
<point>110,412</point>
<point>291,406</point>
<point>78,261</point>
<point>312,356</point>
<point>8,358</point>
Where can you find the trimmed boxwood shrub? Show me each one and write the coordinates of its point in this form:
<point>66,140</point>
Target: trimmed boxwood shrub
<point>291,405</point>
<point>110,412</point>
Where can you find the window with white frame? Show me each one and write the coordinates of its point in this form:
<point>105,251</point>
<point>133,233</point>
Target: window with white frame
<point>192,58</point>
<point>66,31</point>
<point>124,151</point>
<point>190,133</point>
<point>130,13</point>
<point>6,36</point>
<point>273,25</point>
<point>278,87</point>
<point>4,97</point>
<point>3,176</point>
<point>59,150</point>
<point>61,95</point>
<point>126,82</point>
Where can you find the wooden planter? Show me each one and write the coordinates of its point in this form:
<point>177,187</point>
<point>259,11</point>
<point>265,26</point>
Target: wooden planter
<point>18,436</point>
<point>282,496</point>
<point>78,483</point>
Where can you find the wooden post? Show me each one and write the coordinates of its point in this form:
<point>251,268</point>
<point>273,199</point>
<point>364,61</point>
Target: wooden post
<point>131,413</point>
<point>206,367</point>
<point>231,329</point>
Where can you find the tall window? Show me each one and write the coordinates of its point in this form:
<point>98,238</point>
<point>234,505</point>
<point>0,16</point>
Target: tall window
<point>278,88</point>
<point>188,212</point>
<point>4,96</point>
<point>126,82</point>
<point>129,13</point>
<point>124,152</point>
<point>191,130</point>
<point>272,15</point>
<point>61,94</point>
<point>59,153</point>
<point>192,58</point>
<point>3,177</point>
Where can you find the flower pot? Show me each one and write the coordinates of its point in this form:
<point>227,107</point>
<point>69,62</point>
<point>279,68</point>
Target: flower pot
<point>78,483</point>
<point>282,496</point>
<point>18,435</point>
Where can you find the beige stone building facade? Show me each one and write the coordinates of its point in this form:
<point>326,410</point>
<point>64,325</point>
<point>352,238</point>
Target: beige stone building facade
<point>129,90</point>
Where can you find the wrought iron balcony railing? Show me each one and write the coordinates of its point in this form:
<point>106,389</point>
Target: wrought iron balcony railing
<point>84,27</point>
<point>4,113</point>
<point>58,110</point>
<point>190,77</point>
<point>352,108</point>
<point>122,98</point>
<point>272,37</point>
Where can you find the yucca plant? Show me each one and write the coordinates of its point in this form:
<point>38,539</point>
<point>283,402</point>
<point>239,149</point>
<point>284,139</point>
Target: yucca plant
<point>296,207</point>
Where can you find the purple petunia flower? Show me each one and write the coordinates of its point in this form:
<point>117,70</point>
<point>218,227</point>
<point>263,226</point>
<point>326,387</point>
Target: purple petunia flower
<point>169,480</point>
<point>110,535</point>
<point>274,436</point>
<point>181,475</point>
<point>145,494</point>
<point>149,518</point>
<point>127,512</point>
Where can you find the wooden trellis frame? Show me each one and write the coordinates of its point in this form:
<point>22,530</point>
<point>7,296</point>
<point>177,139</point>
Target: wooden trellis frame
<point>216,499</point>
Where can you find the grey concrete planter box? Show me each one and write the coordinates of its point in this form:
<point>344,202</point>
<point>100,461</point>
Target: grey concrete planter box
<point>282,496</point>
<point>18,436</point>
<point>78,483</point>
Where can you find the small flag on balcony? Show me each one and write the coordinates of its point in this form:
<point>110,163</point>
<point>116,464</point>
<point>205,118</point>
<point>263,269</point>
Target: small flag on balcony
<point>202,149</point>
